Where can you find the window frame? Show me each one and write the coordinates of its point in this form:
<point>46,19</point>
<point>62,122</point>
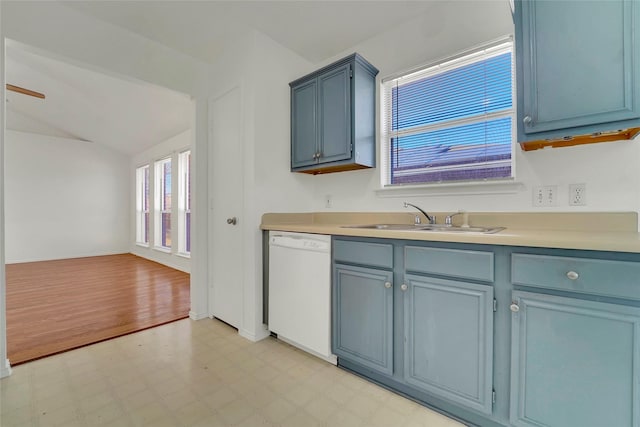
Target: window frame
<point>469,56</point>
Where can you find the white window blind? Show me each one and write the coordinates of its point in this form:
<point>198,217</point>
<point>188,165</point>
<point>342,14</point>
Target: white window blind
<point>453,121</point>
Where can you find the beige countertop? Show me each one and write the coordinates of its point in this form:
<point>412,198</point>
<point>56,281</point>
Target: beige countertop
<point>610,231</point>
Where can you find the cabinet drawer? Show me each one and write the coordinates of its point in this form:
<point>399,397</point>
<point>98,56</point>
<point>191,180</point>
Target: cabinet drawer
<point>373,254</point>
<point>593,276</point>
<point>463,264</point>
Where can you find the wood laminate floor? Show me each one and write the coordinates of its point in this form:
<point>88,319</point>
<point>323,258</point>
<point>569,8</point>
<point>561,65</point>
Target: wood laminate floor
<point>54,306</point>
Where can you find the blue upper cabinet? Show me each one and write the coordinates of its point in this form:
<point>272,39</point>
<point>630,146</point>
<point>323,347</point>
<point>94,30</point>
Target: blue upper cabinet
<point>333,118</point>
<point>578,67</point>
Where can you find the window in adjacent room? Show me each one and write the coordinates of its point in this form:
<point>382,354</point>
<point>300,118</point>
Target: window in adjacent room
<point>162,237</point>
<point>184,202</point>
<point>452,121</point>
<point>142,205</point>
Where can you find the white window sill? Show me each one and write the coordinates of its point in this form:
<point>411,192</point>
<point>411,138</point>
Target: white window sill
<point>143,245</point>
<point>162,249</point>
<point>183,254</point>
<point>452,189</point>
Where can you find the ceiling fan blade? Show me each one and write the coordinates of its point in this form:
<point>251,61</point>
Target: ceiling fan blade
<point>25,91</point>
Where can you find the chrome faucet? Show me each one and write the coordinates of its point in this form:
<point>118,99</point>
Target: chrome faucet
<point>447,220</point>
<point>431,219</point>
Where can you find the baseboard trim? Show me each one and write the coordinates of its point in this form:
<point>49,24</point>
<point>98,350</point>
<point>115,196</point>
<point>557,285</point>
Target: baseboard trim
<point>197,316</point>
<point>254,337</point>
<point>5,370</point>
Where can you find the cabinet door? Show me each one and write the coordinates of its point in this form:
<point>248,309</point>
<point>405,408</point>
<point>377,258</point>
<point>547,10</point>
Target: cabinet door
<point>449,340</point>
<point>576,74</point>
<point>574,362</point>
<point>334,89</point>
<point>304,128</point>
<point>363,316</point>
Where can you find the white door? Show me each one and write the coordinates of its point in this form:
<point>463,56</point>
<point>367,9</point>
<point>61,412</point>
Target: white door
<point>225,206</point>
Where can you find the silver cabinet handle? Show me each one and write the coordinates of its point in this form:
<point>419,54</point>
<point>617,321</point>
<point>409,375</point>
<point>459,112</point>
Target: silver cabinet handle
<point>514,307</point>
<point>572,275</point>
<point>404,287</point>
<point>527,120</point>
<point>232,221</point>
<point>387,285</point>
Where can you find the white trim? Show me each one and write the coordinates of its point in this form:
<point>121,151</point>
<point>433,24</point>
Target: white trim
<point>5,370</point>
<point>258,336</point>
<point>197,316</point>
<point>142,245</point>
<point>183,255</point>
<point>162,249</point>
<point>453,189</point>
<point>447,60</point>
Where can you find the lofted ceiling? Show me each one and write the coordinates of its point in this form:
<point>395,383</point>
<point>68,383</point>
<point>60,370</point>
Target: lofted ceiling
<point>315,30</point>
<point>131,116</point>
<point>86,105</point>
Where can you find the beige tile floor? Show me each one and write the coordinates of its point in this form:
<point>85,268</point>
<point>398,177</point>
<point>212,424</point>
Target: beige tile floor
<point>200,373</point>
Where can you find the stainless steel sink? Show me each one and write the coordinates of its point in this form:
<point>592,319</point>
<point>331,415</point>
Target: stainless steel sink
<point>402,227</point>
<point>428,227</point>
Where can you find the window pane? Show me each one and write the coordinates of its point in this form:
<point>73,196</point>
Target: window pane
<point>166,173</point>
<point>146,227</point>
<point>166,229</point>
<point>453,121</point>
<point>188,204</point>
<point>162,204</point>
<point>457,153</point>
<point>142,204</point>
<point>471,90</point>
<point>188,232</point>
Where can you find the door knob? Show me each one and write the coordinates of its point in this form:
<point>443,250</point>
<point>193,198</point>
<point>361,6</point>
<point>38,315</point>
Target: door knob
<point>572,275</point>
<point>404,287</point>
<point>514,307</point>
<point>232,221</point>
<point>387,285</point>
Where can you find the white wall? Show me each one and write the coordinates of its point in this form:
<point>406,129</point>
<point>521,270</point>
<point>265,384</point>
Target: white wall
<point>63,199</point>
<point>5,368</point>
<point>609,169</point>
<point>64,32</point>
<point>172,147</point>
<point>262,69</point>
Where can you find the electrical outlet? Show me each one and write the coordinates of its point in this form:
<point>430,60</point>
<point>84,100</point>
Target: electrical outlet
<point>577,194</point>
<point>328,201</point>
<point>545,195</point>
<point>538,196</point>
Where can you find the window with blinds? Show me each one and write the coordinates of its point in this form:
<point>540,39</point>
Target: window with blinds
<point>451,122</point>
<point>184,202</point>
<point>142,205</point>
<point>163,192</point>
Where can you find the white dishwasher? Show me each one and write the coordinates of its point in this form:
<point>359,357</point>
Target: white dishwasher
<point>300,291</point>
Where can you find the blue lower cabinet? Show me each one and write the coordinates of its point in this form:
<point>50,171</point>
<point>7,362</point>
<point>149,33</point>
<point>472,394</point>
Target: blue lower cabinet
<point>363,316</point>
<point>449,340</point>
<point>574,363</point>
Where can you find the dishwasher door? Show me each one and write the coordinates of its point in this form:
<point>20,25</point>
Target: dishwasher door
<point>300,291</point>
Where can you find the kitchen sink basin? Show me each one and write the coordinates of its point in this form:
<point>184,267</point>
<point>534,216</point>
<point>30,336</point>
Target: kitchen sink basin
<point>428,227</point>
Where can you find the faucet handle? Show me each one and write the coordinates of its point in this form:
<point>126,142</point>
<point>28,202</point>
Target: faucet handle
<point>447,220</point>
